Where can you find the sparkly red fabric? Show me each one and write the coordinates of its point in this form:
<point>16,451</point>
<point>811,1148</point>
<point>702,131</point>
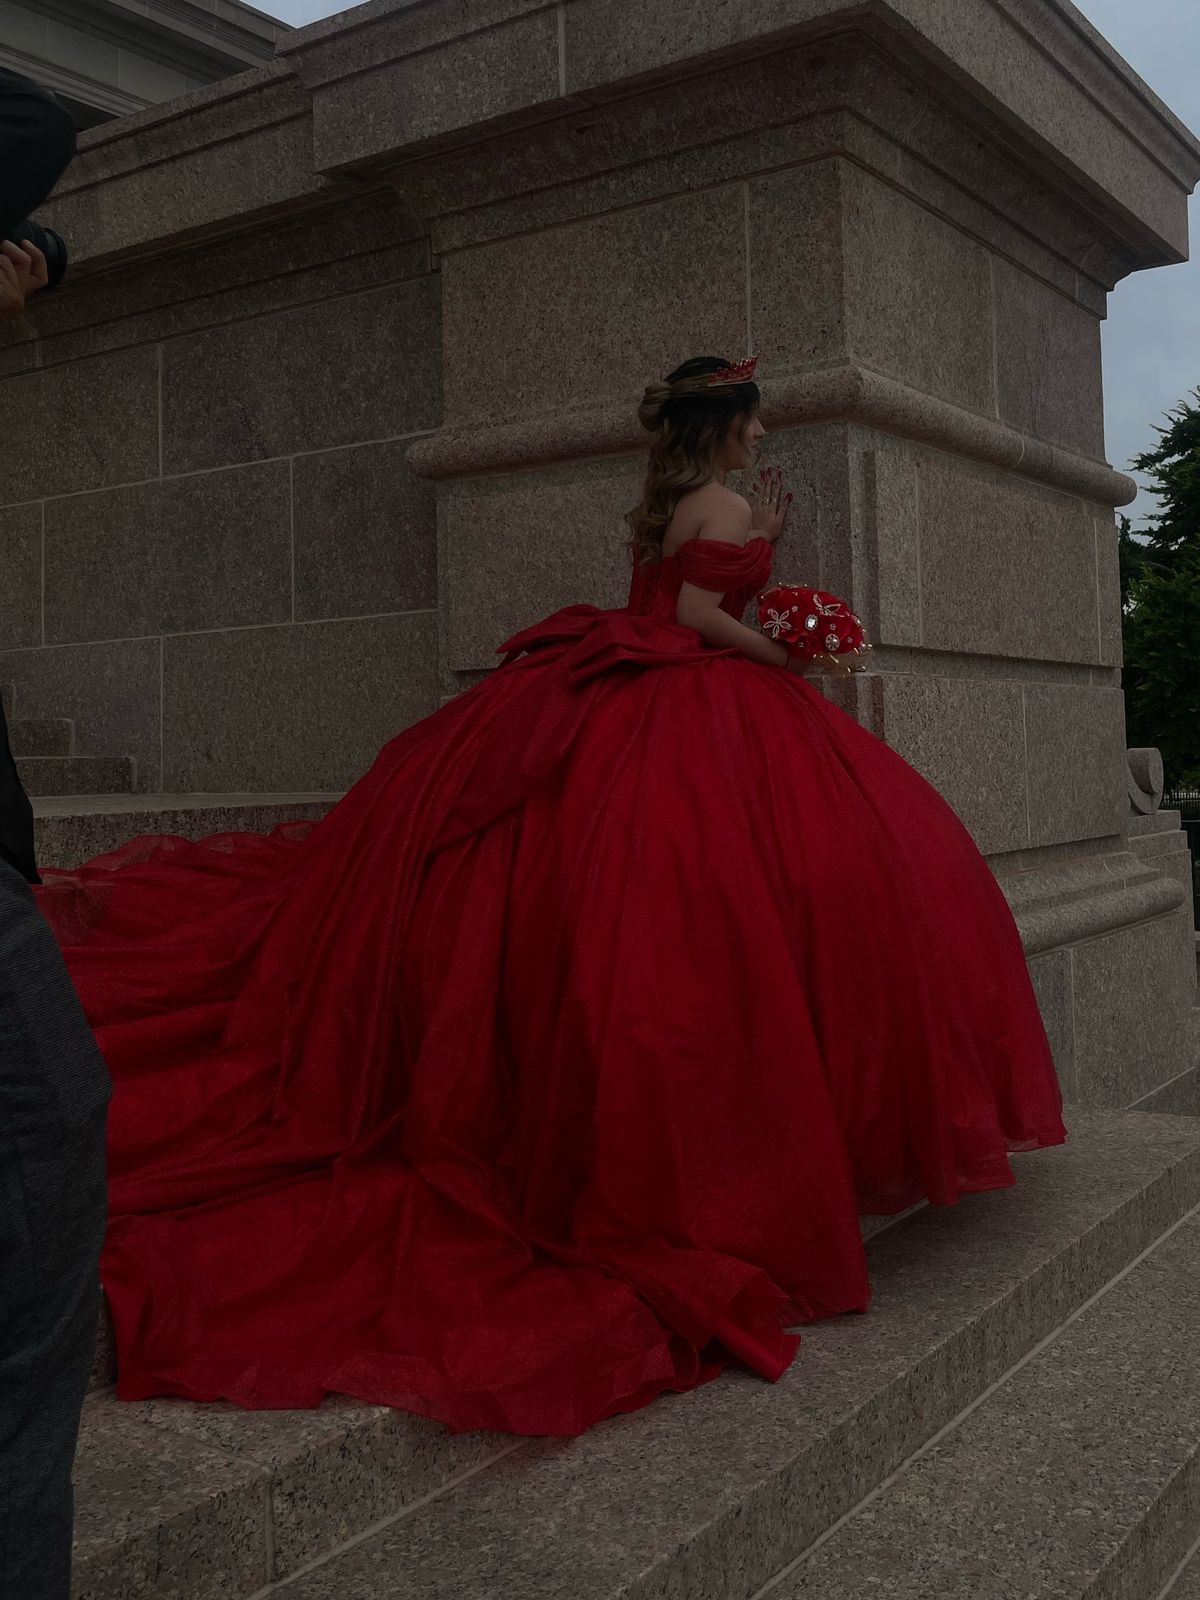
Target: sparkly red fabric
<point>552,1070</point>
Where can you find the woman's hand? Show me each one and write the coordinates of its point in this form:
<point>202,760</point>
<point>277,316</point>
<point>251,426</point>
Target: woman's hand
<point>12,294</point>
<point>769,506</point>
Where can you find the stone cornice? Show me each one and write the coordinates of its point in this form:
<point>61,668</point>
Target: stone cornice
<point>202,40</point>
<point>1033,68</point>
<point>217,113</point>
<point>1071,49</point>
<point>224,25</point>
<point>394,88</point>
<point>845,97</point>
<point>66,81</point>
<point>212,163</point>
<point>833,394</point>
<point>338,46</point>
<point>1104,62</point>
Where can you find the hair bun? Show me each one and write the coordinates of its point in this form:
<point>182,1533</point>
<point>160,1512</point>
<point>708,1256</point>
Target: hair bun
<point>651,409</point>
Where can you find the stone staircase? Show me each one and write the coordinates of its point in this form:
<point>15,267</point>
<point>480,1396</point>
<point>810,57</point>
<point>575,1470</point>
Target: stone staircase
<point>49,763</point>
<point>1018,1415</point>
<point>84,806</point>
<point>38,741</point>
<point>72,829</point>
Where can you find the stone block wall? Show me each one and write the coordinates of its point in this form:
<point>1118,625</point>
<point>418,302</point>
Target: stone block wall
<point>218,558</point>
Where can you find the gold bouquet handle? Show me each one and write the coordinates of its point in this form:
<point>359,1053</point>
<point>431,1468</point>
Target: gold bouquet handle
<point>847,666</point>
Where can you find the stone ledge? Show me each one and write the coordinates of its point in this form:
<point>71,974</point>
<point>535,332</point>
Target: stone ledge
<point>1046,928</point>
<point>1187,1584</point>
<point>1155,822</point>
<point>1180,1097</point>
<point>75,829</point>
<point>1159,844</point>
<point>829,394</point>
<point>77,775</point>
<point>905,660</point>
<point>242,104</point>
<point>1050,882</point>
<point>206,1502</point>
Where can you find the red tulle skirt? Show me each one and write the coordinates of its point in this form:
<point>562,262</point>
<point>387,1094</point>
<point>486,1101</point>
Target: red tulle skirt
<point>553,1069</point>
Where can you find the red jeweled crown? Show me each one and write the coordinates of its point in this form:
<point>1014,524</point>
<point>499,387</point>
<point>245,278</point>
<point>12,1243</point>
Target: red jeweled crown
<point>740,372</point>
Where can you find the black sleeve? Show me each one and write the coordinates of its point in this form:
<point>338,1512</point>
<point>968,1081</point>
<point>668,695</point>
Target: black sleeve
<point>16,814</point>
<point>37,141</point>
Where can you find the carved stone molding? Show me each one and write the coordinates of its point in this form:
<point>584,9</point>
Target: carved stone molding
<point>847,393</point>
<point>1145,781</point>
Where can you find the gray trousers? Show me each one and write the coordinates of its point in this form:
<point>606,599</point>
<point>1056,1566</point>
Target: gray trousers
<point>54,1092</point>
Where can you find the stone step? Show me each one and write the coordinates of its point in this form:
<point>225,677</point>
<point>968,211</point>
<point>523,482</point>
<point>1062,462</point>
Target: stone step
<point>1179,1096</point>
<point>74,775</point>
<point>705,1496</point>
<point>104,1366</point>
<point>73,829</point>
<point>211,1503</point>
<point>1187,1581</point>
<point>8,701</point>
<point>54,736</point>
<point>1079,1477</point>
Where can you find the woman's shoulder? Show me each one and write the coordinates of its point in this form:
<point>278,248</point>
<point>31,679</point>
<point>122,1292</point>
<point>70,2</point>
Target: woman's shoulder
<point>711,512</point>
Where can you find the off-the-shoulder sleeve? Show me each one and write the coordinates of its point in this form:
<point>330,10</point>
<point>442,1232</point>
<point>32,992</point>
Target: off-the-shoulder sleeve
<point>721,568</point>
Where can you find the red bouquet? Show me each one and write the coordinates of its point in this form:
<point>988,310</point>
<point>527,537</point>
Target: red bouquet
<point>809,622</point>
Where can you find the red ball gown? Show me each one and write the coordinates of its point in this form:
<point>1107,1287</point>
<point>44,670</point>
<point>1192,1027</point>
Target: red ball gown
<point>553,1069</point>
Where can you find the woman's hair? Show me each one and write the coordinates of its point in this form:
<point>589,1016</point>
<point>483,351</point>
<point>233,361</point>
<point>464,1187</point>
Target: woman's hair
<point>690,422</point>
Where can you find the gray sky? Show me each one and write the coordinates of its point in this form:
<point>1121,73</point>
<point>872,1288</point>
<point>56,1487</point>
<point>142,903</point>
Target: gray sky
<point>1152,337</point>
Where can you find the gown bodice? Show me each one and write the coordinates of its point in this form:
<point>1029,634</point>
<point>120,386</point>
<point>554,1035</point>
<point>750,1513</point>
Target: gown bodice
<point>645,630</point>
<point>738,572</point>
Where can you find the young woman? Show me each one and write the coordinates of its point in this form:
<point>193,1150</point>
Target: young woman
<point>554,1068</point>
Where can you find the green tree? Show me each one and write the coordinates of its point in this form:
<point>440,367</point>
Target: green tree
<point>1162,666</point>
<point>1173,471</point>
<point>1160,598</point>
<point>1134,556</point>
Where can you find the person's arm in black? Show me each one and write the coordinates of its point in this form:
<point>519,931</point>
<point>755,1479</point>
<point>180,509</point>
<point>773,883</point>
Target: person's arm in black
<point>16,814</point>
<point>37,142</point>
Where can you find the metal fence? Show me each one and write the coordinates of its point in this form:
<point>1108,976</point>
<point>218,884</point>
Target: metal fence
<point>1185,800</point>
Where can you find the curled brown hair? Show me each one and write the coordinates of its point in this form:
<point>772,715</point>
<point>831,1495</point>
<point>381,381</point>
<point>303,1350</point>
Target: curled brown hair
<point>689,429</point>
